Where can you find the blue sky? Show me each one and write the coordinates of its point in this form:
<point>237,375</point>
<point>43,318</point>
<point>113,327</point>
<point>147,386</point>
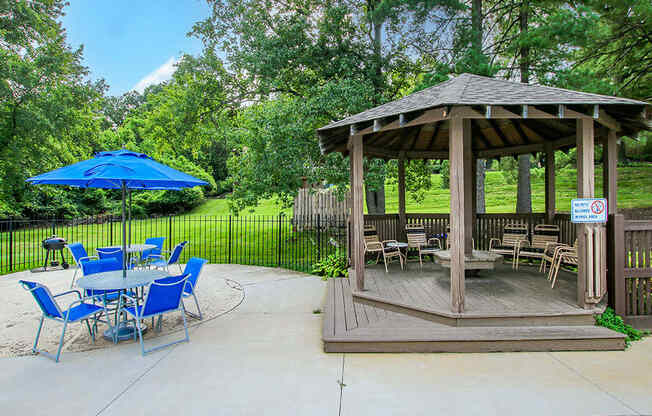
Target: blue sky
<point>132,44</point>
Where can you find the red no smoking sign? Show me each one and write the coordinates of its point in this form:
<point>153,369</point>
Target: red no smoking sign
<point>597,207</point>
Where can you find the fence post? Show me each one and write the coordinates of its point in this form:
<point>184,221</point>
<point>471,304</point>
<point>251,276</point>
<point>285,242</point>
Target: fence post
<point>318,237</point>
<point>111,229</point>
<point>170,232</point>
<point>11,245</point>
<point>616,263</point>
<point>229,239</point>
<point>280,229</point>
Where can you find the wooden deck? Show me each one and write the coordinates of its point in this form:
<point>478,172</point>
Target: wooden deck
<point>505,311</point>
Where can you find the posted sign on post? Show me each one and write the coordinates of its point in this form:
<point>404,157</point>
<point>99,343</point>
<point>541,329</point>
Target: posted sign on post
<point>589,210</point>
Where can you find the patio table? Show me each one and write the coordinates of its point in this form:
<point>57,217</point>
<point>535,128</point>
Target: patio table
<point>113,280</point>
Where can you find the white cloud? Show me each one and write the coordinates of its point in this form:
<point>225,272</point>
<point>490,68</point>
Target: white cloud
<point>160,74</point>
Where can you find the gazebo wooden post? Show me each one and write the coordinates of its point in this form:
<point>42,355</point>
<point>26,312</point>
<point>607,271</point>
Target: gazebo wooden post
<point>550,182</point>
<point>460,207</point>
<point>357,212</point>
<point>610,171</point>
<point>401,193</point>
<point>474,195</point>
<point>585,189</point>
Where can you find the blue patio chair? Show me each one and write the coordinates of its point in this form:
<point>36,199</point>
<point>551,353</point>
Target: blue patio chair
<point>162,263</point>
<point>101,266</point>
<point>112,252</point>
<point>158,242</point>
<point>193,270</point>
<point>77,311</point>
<point>163,296</point>
<point>79,254</point>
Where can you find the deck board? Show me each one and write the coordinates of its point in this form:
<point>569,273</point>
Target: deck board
<point>353,325</point>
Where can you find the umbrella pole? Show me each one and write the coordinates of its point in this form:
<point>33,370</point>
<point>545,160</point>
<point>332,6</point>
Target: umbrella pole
<point>130,217</point>
<point>124,231</point>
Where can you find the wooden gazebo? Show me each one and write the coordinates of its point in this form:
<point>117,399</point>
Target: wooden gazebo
<point>470,117</point>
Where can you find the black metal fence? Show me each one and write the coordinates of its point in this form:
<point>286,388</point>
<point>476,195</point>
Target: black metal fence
<point>277,241</point>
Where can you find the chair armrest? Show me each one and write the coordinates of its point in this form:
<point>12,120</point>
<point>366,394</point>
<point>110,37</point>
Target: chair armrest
<point>69,292</point>
<point>434,240</point>
<point>492,241</point>
<point>87,258</point>
<point>156,256</point>
<point>389,241</point>
<point>373,245</point>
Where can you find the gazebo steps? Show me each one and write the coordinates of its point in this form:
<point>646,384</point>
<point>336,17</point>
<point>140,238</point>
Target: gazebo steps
<point>350,326</point>
<point>480,319</point>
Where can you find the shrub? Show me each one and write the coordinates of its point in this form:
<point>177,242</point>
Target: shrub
<point>610,320</point>
<point>334,265</point>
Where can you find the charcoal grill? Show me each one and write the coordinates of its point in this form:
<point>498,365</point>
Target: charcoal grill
<point>52,245</point>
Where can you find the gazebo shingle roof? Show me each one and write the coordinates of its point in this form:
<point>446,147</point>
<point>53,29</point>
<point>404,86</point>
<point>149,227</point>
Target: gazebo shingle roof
<point>412,127</point>
<point>469,89</point>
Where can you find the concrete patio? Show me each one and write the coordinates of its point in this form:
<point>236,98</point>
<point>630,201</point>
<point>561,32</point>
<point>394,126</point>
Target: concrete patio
<point>266,357</point>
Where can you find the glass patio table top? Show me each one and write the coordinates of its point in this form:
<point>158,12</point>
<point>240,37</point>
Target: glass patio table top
<point>113,280</point>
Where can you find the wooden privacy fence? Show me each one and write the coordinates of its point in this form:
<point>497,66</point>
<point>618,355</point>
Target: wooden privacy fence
<point>630,269</point>
<point>311,202</point>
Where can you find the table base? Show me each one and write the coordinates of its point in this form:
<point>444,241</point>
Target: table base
<point>124,331</point>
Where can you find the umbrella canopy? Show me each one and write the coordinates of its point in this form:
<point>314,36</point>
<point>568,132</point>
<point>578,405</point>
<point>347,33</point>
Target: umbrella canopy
<point>113,169</point>
<point>120,169</point>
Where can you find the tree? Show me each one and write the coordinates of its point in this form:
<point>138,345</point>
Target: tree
<point>48,111</point>
<point>304,49</point>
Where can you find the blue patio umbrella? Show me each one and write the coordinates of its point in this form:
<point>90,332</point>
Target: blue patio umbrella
<point>120,169</point>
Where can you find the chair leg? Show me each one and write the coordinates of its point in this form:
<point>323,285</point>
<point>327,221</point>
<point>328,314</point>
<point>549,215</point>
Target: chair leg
<point>198,315</point>
<point>90,332</point>
<point>140,336</point>
<point>385,260</point>
<point>74,275</point>
<point>63,332</point>
<point>38,334</point>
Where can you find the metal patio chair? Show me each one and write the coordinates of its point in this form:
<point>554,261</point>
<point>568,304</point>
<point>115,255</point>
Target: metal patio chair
<point>513,235</point>
<point>163,296</point>
<point>193,270</point>
<point>79,254</point>
<point>77,311</point>
<point>565,256</point>
<point>390,253</point>
<point>154,252</point>
<point>159,261</point>
<point>372,243</point>
<point>101,266</point>
<point>416,236</point>
<point>543,236</point>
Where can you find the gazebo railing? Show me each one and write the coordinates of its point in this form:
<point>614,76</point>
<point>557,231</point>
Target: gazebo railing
<point>487,226</point>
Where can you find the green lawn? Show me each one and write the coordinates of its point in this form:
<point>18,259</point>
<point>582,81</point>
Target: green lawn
<point>220,206</point>
<point>634,191</point>
<point>258,238</point>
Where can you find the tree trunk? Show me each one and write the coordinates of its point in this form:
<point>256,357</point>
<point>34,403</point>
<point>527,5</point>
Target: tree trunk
<point>524,191</point>
<point>375,200</point>
<point>479,186</point>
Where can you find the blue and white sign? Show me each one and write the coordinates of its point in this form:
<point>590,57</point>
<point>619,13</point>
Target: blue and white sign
<point>589,210</point>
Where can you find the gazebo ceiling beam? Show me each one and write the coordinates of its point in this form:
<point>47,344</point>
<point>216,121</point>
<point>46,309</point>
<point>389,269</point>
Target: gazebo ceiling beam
<point>527,148</point>
<point>434,136</point>
<point>520,131</point>
<point>481,137</point>
<point>499,132</point>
